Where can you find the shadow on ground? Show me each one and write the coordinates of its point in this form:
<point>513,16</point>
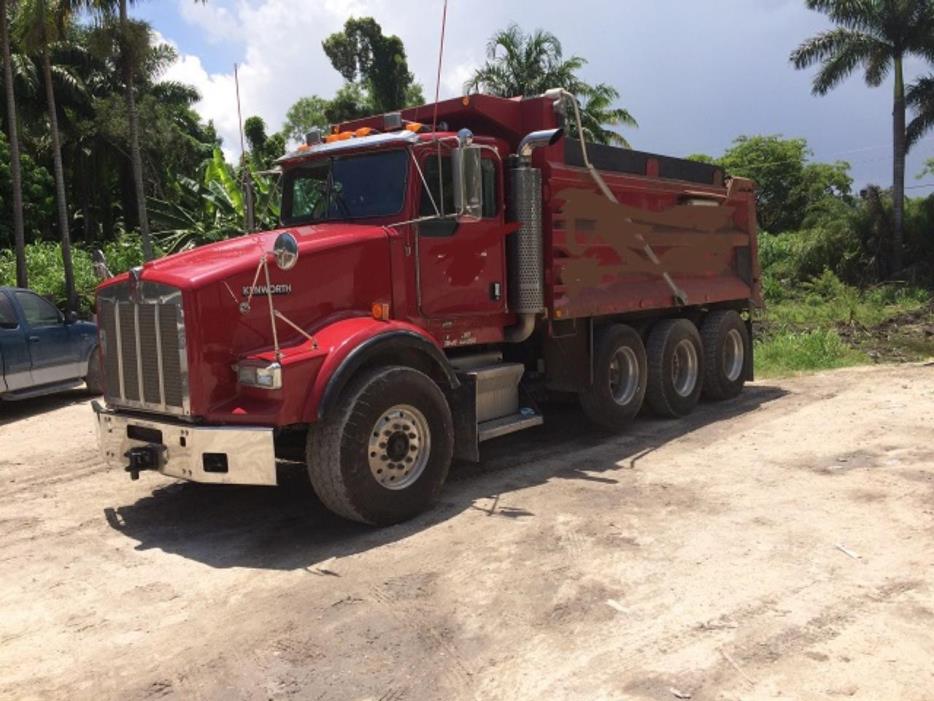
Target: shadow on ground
<point>11,411</point>
<point>285,527</point>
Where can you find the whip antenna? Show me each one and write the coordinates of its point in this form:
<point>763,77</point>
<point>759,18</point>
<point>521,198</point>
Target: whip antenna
<point>244,165</point>
<point>444,19</point>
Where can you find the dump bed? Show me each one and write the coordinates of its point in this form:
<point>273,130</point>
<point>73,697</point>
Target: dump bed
<point>699,224</point>
<point>678,235</point>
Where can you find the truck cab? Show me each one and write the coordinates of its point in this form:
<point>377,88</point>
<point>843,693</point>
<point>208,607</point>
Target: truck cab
<point>41,350</point>
<point>427,285</point>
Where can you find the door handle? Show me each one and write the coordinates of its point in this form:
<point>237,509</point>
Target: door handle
<point>33,339</point>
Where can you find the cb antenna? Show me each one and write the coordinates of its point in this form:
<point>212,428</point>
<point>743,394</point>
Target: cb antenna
<point>244,163</point>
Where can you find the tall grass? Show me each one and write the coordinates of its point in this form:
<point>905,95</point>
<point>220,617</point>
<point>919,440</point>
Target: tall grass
<point>799,351</point>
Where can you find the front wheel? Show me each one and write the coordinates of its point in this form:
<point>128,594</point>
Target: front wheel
<point>384,453</point>
<point>93,382</point>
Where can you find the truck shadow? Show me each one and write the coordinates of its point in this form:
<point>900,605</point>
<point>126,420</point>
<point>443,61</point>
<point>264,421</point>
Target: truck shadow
<point>11,411</point>
<point>286,528</point>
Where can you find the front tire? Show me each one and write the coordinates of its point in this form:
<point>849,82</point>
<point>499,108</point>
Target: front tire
<point>676,367</point>
<point>619,378</point>
<point>383,455</point>
<point>93,381</point>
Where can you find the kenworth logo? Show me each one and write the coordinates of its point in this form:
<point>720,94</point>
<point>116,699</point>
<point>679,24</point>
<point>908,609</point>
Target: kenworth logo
<point>259,290</point>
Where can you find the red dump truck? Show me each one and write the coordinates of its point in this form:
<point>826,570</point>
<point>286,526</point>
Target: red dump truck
<point>428,288</point>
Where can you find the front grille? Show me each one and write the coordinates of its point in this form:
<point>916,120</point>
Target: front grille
<point>143,344</point>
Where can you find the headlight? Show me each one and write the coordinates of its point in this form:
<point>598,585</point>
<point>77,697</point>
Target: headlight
<point>262,376</point>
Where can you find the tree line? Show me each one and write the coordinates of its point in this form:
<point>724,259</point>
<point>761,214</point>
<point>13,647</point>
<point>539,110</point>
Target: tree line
<point>78,164</point>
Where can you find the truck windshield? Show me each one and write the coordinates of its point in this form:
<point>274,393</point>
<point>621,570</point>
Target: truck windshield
<point>345,187</point>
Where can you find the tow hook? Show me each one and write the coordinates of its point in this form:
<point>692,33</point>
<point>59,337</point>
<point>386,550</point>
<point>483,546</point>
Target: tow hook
<point>143,457</point>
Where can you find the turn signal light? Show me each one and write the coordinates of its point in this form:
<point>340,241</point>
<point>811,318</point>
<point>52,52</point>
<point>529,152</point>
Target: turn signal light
<point>380,311</point>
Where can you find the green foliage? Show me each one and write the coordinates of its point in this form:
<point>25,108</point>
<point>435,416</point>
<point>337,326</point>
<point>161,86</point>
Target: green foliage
<point>306,114</point>
<point>46,274</point>
<point>920,98</point>
<point>366,57</point>
<point>38,201</point>
<point>800,328</point>
<point>520,64</point>
<point>868,35</point>
<point>788,188</point>
<point>211,209</point>
<point>264,149</point>
<point>350,102</point>
<point>798,351</point>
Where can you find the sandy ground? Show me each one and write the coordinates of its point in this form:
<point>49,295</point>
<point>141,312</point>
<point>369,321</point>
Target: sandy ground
<point>778,546</point>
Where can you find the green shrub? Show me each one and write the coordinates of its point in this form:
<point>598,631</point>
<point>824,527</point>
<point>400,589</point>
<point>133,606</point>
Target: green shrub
<point>47,273</point>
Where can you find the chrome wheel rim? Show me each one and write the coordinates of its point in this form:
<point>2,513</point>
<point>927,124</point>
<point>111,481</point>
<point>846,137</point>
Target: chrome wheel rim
<point>624,375</point>
<point>733,355</point>
<point>399,446</point>
<point>684,368</point>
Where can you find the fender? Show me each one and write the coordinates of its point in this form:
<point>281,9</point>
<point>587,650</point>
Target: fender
<point>357,341</point>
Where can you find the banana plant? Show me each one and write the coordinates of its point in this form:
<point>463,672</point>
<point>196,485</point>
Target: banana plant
<point>212,209</point>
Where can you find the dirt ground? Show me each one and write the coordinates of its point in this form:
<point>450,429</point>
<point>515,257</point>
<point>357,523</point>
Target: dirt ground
<point>778,546</point>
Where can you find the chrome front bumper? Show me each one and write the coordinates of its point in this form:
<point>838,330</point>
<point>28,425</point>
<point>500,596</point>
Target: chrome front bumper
<point>218,455</point>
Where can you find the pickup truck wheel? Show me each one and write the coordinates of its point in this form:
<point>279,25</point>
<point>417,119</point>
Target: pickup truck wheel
<point>676,367</point>
<point>726,348</point>
<point>383,454</point>
<point>93,381</point>
<point>619,375</point>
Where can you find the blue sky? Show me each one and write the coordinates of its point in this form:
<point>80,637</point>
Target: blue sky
<point>695,74</point>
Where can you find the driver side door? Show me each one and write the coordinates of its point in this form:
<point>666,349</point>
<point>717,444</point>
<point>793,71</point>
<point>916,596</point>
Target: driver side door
<point>461,264</point>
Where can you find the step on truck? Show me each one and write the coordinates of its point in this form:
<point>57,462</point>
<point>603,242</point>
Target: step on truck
<point>438,273</point>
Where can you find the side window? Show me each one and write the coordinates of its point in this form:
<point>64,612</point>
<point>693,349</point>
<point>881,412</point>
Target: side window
<point>490,191</point>
<point>7,314</point>
<point>436,188</point>
<point>37,311</point>
<point>430,171</point>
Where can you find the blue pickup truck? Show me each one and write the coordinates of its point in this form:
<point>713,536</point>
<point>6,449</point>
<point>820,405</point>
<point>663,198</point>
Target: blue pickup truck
<point>41,350</point>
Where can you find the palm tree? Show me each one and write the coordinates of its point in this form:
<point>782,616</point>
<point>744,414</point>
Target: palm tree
<point>920,98</point>
<point>40,23</point>
<point>877,36</point>
<point>130,51</point>
<point>16,174</point>
<point>520,64</point>
<point>598,111</point>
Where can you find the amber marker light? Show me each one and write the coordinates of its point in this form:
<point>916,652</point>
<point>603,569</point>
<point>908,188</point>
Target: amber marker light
<point>380,311</point>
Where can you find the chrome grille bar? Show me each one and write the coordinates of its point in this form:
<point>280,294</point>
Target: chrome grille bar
<point>144,348</point>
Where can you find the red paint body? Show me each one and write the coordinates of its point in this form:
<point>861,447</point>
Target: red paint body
<point>343,269</point>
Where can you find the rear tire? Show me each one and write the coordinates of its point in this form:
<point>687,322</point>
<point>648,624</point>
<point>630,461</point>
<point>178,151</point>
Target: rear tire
<point>93,381</point>
<point>619,378</point>
<point>726,349</point>
<point>383,454</point>
<point>676,367</point>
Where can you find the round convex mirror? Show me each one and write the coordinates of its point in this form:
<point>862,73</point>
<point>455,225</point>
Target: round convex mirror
<point>285,250</point>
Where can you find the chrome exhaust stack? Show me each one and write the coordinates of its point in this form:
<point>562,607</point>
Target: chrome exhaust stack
<point>524,248</point>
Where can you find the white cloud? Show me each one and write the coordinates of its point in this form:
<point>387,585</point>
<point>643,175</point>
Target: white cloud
<point>283,59</point>
<point>693,80</point>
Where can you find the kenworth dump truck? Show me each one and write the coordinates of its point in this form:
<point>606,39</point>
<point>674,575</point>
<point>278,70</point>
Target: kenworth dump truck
<point>427,289</point>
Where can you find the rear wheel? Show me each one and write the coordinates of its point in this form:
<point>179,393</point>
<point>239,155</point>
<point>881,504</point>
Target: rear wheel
<point>676,367</point>
<point>726,349</point>
<point>619,378</point>
<point>384,453</point>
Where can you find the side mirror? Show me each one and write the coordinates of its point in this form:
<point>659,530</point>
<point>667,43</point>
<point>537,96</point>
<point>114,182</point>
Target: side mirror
<point>467,176</point>
<point>71,317</point>
<point>285,250</point>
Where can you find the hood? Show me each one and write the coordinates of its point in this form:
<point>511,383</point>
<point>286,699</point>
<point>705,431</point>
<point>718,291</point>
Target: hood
<point>215,262</point>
